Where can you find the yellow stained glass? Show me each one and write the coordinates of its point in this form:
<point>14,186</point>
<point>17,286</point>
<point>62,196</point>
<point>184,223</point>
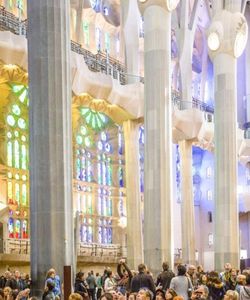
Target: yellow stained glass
<point>17,193</point>
<point>24,157</point>
<point>17,154</point>
<point>9,154</point>
<point>9,192</point>
<point>24,195</point>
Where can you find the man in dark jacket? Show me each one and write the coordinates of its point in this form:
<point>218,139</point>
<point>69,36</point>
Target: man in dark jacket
<point>142,280</point>
<point>165,277</point>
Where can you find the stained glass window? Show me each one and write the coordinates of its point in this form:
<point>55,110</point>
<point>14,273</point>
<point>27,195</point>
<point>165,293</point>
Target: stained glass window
<point>86,32</point>
<point>11,228</point>
<point>107,42</point>
<point>17,229</point>
<point>17,157</point>
<point>95,120</point>
<point>98,38</point>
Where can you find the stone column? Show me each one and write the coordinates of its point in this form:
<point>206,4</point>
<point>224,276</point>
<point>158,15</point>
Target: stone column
<point>187,203</point>
<point>130,18</point>
<point>225,47</point>
<point>158,237</point>
<point>134,223</point>
<point>50,139</point>
<point>79,24</point>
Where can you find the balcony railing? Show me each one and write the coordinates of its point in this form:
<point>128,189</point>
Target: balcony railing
<point>100,62</point>
<point>22,246</point>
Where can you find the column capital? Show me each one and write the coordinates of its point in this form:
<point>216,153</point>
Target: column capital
<point>169,5</point>
<point>227,34</point>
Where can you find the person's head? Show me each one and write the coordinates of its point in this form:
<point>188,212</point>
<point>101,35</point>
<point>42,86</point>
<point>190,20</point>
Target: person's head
<point>231,295</point>
<point>13,295</point>
<point>109,273</point>
<point>165,266</point>
<point>142,268</point>
<point>191,270</point>
<point>96,274</point>
<point>178,298</point>
<point>7,274</point>
<point>25,293</point>
<point>227,267</point>
<point>181,270</point>
<point>200,293</point>
<point>248,279</point>
<point>106,296</point>
<point>6,291</point>
<point>144,294</point>
<point>241,279</point>
<point>159,295</point>
<point>200,269</point>
<point>132,296</point>
<point>92,272</point>
<point>79,276</point>
<point>75,296</point>
<point>17,274</point>
<point>51,273</point>
<point>89,273</point>
<point>204,279</point>
<point>170,294</point>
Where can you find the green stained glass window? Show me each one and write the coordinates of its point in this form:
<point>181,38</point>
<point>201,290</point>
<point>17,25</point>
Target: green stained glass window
<point>16,110</point>
<point>9,154</point>
<point>17,193</point>
<point>23,138</point>
<point>17,88</point>
<point>24,195</point>
<point>17,154</point>
<point>107,42</point>
<point>11,120</point>
<point>23,96</point>
<point>17,229</point>
<point>21,123</point>
<point>86,33</point>
<point>9,135</point>
<point>79,139</point>
<point>96,120</point>
<point>9,192</point>
<point>87,141</point>
<point>24,157</point>
<point>16,133</point>
<point>83,130</point>
<point>10,2</point>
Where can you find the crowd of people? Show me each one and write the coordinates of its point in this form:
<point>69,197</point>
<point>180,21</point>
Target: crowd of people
<point>189,282</point>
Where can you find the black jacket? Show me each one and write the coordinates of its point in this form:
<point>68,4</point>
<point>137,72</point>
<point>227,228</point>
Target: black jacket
<point>142,281</point>
<point>164,279</point>
<point>81,288</point>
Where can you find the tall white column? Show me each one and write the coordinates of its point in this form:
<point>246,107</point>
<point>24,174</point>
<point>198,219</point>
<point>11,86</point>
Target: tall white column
<point>134,223</point>
<point>50,139</point>
<point>225,47</point>
<point>130,17</point>
<point>187,203</point>
<point>158,245</point>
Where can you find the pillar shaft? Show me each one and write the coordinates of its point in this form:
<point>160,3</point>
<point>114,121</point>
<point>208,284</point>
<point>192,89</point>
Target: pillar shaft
<point>134,224</point>
<point>50,139</point>
<point>226,205</point>
<point>187,204</point>
<point>158,139</point>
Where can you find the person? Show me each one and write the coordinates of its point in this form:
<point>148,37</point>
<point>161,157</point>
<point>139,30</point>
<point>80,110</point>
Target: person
<point>144,294</point>
<point>191,273</point>
<point>164,278</point>
<point>106,296</point>
<point>160,294</point>
<point>170,294</point>
<point>6,292</point>
<point>178,298</point>
<point>49,290</point>
<point>201,292</point>
<point>125,275</point>
<point>245,290</point>
<point>142,280</point>
<point>109,284</point>
<point>80,286</point>
<point>215,286</point>
<point>231,295</point>
<point>92,285</point>
<point>99,285</point>
<point>241,281</point>
<point>181,283</point>
<point>75,296</point>
<point>52,276</point>
<point>225,276</point>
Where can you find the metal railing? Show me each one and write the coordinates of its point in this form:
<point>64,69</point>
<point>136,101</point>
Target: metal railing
<point>102,250</point>
<point>100,62</point>
<point>16,246</point>
<point>22,246</point>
